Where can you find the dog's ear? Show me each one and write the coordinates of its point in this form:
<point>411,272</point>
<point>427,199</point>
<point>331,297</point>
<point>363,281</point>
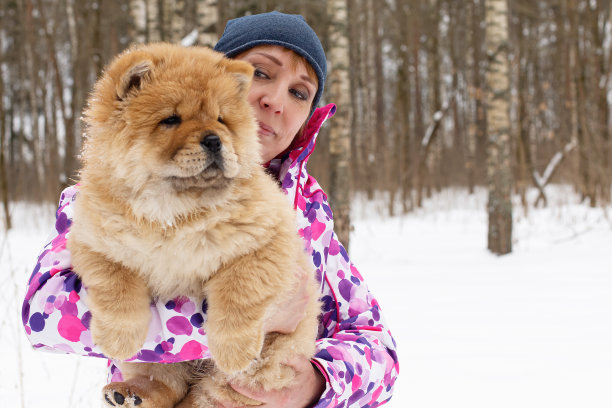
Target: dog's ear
<point>242,72</point>
<point>134,77</point>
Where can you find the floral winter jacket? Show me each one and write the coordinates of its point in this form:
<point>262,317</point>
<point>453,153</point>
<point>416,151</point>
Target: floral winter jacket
<point>355,350</point>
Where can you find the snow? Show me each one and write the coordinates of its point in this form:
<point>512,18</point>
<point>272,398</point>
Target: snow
<point>531,329</point>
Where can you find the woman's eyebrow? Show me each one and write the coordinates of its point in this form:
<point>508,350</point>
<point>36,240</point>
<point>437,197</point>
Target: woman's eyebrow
<point>280,64</point>
<point>309,80</point>
<point>270,57</point>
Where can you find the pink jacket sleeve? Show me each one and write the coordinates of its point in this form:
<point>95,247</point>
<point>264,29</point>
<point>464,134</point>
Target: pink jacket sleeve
<point>355,351</point>
<point>56,317</point>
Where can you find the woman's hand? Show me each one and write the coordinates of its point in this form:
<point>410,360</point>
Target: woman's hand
<point>305,392</point>
<point>309,382</point>
<point>287,315</point>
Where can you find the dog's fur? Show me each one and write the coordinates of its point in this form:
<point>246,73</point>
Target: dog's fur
<point>159,214</point>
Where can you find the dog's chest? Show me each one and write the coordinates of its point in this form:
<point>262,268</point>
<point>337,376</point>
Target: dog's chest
<point>179,261</point>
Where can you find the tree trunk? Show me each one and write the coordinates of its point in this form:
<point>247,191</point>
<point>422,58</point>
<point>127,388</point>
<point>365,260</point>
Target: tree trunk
<point>455,168</point>
<point>432,155</point>
<point>32,64</point>
<point>600,85</point>
<point>478,127</point>
<point>498,128</point>
<point>358,154</point>
<point>338,85</point>
<point>138,11</point>
<point>419,126</point>
<point>70,156</point>
<point>582,124</point>
<point>607,142</point>
<point>52,179</point>
<point>154,21</point>
<point>402,140</point>
<point>176,19</point>
<point>208,18</point>
<point>3,168</point>
<point>380,136</point>
<point>368,108</point>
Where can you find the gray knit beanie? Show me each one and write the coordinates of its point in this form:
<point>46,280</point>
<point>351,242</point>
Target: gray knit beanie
<point>287,30</point>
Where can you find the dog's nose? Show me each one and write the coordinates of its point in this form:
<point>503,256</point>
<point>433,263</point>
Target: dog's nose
<point>212,143</point>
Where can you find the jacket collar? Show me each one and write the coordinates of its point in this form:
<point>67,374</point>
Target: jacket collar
<point>304,146</point>
<point>291,172</point>
<point>301,149</point>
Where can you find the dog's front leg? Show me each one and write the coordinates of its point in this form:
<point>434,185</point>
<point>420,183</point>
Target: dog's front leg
<point>119,302</point>
<point>238,297</point>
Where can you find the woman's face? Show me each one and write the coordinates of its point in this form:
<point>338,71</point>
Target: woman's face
<point>281,95</point>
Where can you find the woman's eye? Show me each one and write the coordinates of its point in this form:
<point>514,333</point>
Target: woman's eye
<point>260,74</point>
<point>172,120</point>
<point>299,94</point>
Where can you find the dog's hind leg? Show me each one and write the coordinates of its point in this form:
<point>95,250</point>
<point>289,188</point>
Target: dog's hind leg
<point>148,385</point>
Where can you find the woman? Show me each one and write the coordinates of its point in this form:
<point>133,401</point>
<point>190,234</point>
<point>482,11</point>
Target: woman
<point>355,364</point>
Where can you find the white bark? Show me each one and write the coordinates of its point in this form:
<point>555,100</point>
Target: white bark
<point>207,17</point>
<point>153,21</point>
<point>139,20</point>
<point>176,17</point>
<point>339,91</point>
<point>74,40</point>
<point>498,128</point>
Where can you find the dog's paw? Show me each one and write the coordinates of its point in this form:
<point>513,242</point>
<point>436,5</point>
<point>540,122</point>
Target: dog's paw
<point>235,355</point>
<point>119,341</point>
<point>122,394</point>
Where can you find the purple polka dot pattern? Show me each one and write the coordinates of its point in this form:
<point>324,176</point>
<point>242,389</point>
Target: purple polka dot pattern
<point>179,325</point>
<point>355,350</point>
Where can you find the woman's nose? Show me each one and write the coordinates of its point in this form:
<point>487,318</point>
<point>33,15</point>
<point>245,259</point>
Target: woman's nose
<point>272,101</point>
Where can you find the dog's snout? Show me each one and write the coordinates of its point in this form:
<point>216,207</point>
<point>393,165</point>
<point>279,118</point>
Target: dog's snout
<point>212,143</point>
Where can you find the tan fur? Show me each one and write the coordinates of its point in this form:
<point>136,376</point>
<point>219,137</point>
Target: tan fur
<point>154,219</point>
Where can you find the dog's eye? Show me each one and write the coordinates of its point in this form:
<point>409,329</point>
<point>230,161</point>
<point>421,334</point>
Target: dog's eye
<point>171,120</point>
<point>220,120</point>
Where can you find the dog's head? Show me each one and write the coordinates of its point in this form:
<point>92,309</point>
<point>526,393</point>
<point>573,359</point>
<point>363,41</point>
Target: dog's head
<point>172,125</point>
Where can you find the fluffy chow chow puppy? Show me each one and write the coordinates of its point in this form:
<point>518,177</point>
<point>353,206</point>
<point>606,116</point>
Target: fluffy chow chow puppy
<point>173,200</point>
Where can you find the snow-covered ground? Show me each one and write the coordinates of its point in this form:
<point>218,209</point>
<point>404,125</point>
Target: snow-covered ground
<point>531,329</point>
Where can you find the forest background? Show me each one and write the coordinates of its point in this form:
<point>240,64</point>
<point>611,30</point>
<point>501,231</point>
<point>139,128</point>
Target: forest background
<point>507,94</point>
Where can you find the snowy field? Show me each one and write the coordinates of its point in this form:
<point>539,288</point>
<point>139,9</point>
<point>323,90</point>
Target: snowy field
<point>532,329</point>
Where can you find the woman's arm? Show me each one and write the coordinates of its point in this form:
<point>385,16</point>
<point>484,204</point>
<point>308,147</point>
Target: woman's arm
<point>56,318</point>
<point>355,350</point>
<point>355,364</point>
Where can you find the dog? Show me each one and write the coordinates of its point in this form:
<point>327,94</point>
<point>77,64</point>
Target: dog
<point>173,200</point>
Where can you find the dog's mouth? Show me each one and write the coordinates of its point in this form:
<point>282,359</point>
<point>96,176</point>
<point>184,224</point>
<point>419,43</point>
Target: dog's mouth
<point>211,177</point>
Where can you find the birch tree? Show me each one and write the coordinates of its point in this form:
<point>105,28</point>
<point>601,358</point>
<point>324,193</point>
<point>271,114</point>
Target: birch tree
<point>154,20</point>
<point>71,143</point>
<point>433,58</point>
<point>32,65</point>
<point>339,91</point>
<point>138,11</point>
<point>3,170</point>
<point>176,18</point>
<point>208,17</point>
<point>498,128</point>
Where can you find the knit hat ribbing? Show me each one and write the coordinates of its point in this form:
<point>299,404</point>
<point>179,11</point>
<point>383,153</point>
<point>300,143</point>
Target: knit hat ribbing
<point>286,30</point>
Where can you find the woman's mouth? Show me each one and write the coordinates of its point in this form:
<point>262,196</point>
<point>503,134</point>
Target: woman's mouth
<point>265,130</point>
